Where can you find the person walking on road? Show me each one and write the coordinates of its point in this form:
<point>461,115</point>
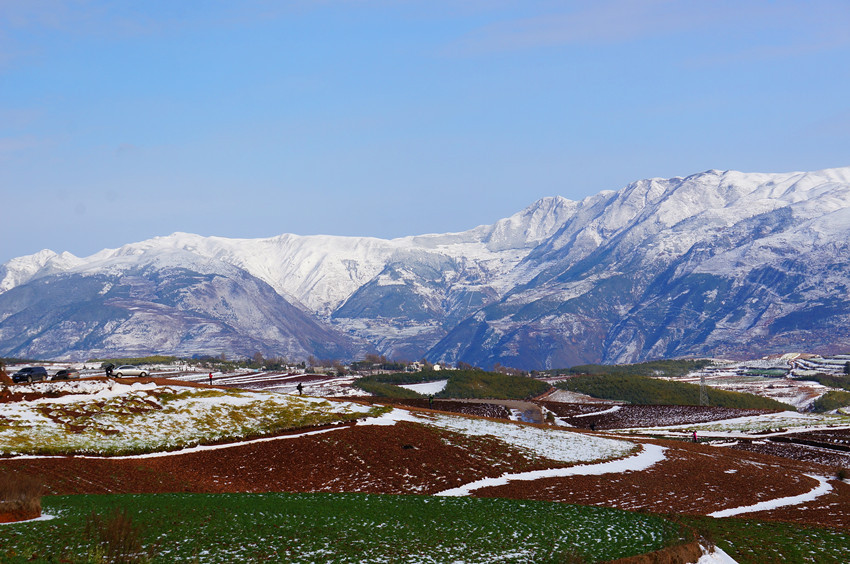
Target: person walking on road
<point>210,378</point>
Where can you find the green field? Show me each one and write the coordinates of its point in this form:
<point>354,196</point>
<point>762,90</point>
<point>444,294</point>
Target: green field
<point>466,384</point>
<point>340,528</point>
<point>831,400</point>
<point>375,528</point>
<point>652,391</point>
<point>758,542</point>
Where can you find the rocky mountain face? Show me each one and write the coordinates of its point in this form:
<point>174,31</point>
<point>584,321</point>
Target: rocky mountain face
<point>718,263</point>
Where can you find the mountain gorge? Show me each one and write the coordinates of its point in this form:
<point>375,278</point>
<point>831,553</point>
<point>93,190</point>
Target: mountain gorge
<point>717,263</point>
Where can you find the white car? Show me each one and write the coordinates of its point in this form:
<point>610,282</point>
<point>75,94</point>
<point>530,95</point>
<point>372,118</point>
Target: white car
<point>129,370</point>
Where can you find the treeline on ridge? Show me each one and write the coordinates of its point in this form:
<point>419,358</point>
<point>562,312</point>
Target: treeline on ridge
<point>830,401</point>
<point>828,380</point>
<point>667,368</point>
<point>651,391</point>
<point>464,384</point>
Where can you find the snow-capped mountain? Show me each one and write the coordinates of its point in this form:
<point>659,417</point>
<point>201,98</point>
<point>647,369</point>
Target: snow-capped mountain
<point>719,263</point>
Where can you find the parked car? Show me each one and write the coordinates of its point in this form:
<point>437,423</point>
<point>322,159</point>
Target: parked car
<point>30,374</point>
<point>65,374</point>
<point>128,370</point>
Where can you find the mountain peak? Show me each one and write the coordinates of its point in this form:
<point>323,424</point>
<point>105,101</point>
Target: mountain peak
<point>754,259</point>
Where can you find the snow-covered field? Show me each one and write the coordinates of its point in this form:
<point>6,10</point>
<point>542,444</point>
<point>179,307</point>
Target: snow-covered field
<point>112,417</point>
<point>553,444</point>
<point>319,385</point>
<point>758,425</point>
<point>737,377</point>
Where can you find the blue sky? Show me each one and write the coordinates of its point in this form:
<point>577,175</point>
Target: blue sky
<point>121,121</point>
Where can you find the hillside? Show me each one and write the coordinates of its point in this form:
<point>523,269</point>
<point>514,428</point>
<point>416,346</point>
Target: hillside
<point>465,384</point>
<point>651,391</point>
<point>266,445</point>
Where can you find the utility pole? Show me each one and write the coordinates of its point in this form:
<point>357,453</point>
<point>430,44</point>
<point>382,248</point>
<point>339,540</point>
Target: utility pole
<point>703,391</point>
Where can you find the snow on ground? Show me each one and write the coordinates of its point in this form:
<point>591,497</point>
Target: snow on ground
<point>604,411</point>
<point>764,425</point>
<point>650,455</point>
<point>199,448</point>
<point>312,384</point>
<point>822,488</point>
<point>94,388</point>
<point>427,388</point>
<point>558,445</point>
<point>112,417</point>
<point>566,396</point>
<point>798,393</point>
<point>42,517</point>
<point>555,444</point>
<point>715,556</point>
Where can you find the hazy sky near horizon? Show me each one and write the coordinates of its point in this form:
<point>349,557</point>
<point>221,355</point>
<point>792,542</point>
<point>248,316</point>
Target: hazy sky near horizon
<point>121,121</point>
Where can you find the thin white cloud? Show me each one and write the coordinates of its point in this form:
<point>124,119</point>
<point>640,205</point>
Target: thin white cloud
<point>604,21</point>
<point>806,27</point>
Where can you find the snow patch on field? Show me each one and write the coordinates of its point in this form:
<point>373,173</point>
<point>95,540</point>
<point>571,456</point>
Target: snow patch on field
<point>715,556</point>
<point>763,425</point>
<point>651,454</point>
<point>108,417</point>
<point>610,410</point>
<point>822,488</point>
<point>553,444</point>
<point>42,517</point>
<point>427,388</point>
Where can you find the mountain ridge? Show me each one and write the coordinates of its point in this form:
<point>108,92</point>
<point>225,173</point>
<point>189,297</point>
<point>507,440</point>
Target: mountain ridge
<point>561,281</point>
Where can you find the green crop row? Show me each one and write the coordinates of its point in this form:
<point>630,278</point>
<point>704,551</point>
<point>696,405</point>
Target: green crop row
<point>332,527</point>
<point>758,542</point>
<point>345,528</point>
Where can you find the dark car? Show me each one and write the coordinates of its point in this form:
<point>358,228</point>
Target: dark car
<point>65,374</point>
<point>30,374</point>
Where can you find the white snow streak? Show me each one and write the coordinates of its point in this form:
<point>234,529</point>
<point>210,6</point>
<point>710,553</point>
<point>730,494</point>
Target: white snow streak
<point>822,488</point>
<point>651,454</point>
<point>609,410</point>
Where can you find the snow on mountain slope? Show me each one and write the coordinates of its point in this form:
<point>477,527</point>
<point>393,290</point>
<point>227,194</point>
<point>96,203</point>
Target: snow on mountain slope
<point>320,271</point>
<point>444,277</point>
<point>716,261</point>
<point>21,269</point>
<point>172,302</point>
<point>661,219</point>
